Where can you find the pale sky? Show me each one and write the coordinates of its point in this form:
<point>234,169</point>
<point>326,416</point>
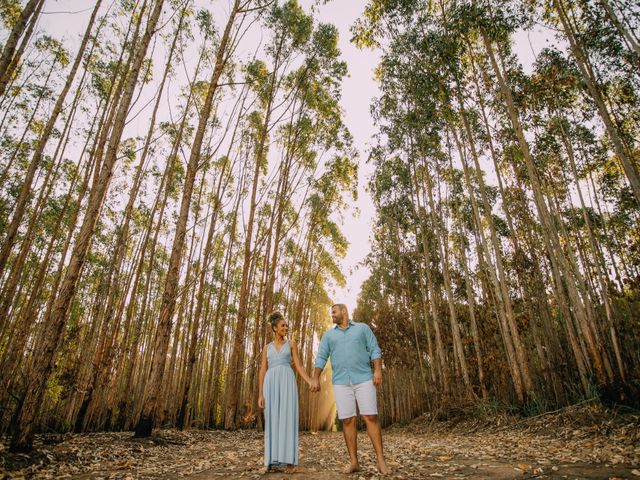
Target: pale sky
<point>359,89</point>
<point>66,20</point>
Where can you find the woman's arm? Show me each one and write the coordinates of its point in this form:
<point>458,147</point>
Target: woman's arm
<point>321,361</point>
<point>296,362</point>
<point>263,372</point>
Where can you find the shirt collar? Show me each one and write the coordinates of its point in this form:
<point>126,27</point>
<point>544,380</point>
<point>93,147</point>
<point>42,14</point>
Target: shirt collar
<point>348,325</point>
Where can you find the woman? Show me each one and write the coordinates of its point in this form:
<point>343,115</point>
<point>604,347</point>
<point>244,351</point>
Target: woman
<point>278,395</point>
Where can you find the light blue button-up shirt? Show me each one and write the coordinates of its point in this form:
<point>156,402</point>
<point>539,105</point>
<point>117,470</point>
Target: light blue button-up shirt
<point>351,351</point>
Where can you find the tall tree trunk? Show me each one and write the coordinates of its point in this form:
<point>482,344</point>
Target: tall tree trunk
<point>25,189</point>
<point>216,201</point>
<point>236,362</point>
<point>588,75</point>
<point>55,322</point>
<point>628,37</point>
<point>453,318</point>
<point>513,336</point>
<point>599,261</point>
<point>9,59</point>
<point>103,353</point>
<point>431,295</point>
<point>145,423</point>
<point>550,235</point>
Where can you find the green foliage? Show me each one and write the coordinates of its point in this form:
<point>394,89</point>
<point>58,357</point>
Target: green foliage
<point>535,406</point>
<point>444,223</point>
<point>290,24</point>
<point>491,408</point>
<point>458,240</point>
<point>10,12</point>
<point>206,24</point>
<point>257,76</point>
<point>54,392</point>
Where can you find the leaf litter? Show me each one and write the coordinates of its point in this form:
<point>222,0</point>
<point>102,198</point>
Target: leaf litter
<point>577,442</point>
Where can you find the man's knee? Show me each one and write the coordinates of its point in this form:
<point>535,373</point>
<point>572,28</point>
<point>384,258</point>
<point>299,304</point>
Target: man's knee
<point>370,418</point>
<point>348,421</point>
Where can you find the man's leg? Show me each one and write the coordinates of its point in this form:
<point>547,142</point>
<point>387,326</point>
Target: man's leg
<point>350,432</point>
<point>346,404</point>
<point>367,402</point>
<point>375,434</point>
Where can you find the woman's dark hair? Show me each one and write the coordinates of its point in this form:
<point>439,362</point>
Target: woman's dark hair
<point>274,318</point>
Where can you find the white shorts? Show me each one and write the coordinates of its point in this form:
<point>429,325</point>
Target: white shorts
<point>364,394</point>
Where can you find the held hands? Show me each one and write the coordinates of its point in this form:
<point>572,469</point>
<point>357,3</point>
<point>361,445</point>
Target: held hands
<point>314,385</point>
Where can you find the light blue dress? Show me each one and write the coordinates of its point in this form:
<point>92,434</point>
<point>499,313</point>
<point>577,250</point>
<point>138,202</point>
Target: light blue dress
<point>280,393</point>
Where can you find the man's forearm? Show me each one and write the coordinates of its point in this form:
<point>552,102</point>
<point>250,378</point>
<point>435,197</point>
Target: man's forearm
<point>316,373</point>
<point>377,364</point>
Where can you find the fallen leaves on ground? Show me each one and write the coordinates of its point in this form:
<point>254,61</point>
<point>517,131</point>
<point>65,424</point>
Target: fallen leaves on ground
<point>584,442</point>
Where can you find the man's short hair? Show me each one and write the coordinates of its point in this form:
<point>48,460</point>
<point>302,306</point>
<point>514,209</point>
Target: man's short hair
<point>342,307</point>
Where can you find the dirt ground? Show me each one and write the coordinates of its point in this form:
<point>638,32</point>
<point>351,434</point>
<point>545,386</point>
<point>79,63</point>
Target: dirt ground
<point>581,443</point>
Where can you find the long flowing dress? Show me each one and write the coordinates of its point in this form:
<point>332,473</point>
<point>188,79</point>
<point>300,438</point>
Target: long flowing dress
<point>280,393</point>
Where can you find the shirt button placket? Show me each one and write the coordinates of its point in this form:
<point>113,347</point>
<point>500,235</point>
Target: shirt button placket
<point>346,348</point>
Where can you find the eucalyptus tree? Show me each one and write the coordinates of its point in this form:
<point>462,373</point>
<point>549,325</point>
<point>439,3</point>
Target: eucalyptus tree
<point>55,321</point>
<point>559,258</point>
<point>22,25</point>
<point>26,186</point>
<point>408,85</point>
<point>112,311</point>
<point>623,145</point>
<point>100,272</point>
<point>561,114</point>
<point>290,31</point>
<point>315,127</point>
<point>162,335</point>
<point>453,98</point>
<point>225,173</point>
<point>26,318</point>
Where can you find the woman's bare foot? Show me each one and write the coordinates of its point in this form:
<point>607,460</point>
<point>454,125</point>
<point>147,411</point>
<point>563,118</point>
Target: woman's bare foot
<point>382,467</point>
<point>351,468</point>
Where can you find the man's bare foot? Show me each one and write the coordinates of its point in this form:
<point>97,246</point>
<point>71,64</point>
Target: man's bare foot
<point>293,469</point>
<point>351,468</point>
<point>264,470</point>
<point>382,467</point>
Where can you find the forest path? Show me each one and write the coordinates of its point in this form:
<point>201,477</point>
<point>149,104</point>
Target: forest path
<point>585,444</point>
<point>480,455</point>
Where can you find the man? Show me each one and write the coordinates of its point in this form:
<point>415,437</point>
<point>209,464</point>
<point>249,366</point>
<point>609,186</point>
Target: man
<point>353,347</point>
